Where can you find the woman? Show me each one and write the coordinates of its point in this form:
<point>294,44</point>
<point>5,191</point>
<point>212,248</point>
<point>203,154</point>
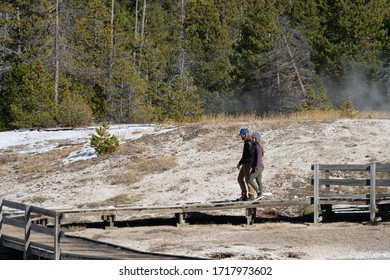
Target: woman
<point>257,167</point>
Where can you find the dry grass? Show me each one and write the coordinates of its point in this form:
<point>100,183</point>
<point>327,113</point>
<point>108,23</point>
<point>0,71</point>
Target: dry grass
<point>74,228</point>
<point>127,178</point>
<point>141,166</point>
<point>158,164</point>
<point>121,199</point>
<point>7,161</point>
<point>273,226</point>
<point>282,119</point>
<point>131,148</point>
<point>38,166</point>
<point>38,199</point>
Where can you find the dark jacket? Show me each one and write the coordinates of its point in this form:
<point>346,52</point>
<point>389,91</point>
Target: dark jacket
<point>246,153</point>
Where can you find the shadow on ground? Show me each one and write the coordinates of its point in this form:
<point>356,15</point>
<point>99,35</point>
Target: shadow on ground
<point>197,218</point>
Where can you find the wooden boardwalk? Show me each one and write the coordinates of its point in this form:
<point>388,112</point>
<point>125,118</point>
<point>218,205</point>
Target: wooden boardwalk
<point>110,214</point>
<point>36,231</point>
<point>30,230</point>
<point>37,234</point>
<point>74,248</point>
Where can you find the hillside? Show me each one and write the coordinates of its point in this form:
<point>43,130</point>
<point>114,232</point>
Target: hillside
<point>197,162</point>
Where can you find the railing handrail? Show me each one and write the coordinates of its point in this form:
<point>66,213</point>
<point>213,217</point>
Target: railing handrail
<point>380,167</point>
<point>28,226</point>
<point>372,169</point>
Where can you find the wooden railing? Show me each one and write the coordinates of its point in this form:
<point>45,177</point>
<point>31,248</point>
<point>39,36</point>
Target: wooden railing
<point>371,198</point>
<point>26,221</point>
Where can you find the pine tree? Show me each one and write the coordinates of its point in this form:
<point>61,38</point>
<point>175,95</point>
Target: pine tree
<point>29,87</point>
<point>208,48</point>
<point>355,36</point>
<point>103,142</point>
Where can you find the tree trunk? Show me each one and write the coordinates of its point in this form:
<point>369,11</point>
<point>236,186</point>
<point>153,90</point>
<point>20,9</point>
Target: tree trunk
<point>181,40</point>
<point>135,27</point>
<point>293,62</point>
<point>19,41</point>
<point>143,24</point>
<point>111,62</point>
<point>57,66</point>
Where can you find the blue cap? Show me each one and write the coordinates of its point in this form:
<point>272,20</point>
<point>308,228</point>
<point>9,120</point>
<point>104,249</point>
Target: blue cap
<point>243,131</point>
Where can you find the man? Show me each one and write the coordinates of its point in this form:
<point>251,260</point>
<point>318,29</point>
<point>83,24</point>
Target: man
<point>244,165</point>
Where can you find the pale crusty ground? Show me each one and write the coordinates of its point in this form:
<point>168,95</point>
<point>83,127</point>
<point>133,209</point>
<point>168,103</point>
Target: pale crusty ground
<point>206,157</point>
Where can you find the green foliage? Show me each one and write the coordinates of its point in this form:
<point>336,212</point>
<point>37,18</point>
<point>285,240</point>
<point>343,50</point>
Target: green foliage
<point>184,103</point>
<point>177,101</point>
<point>353,33</point>
<point>98,101</point>
<point>186,58</point>
<point>259,31</point>
<point>208,48</point>
<point>74,111</point>
<point>31,93</point>
<point>347,108</point>
<point>316,100</point>
<point>103,142</point>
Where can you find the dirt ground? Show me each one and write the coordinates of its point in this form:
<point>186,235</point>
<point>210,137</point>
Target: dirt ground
<point>197,162</point>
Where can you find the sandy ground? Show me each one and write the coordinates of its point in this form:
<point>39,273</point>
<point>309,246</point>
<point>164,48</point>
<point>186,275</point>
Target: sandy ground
<point>197,162</point>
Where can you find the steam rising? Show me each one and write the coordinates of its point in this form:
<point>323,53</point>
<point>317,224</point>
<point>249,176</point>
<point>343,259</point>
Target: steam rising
<point>365,95</point>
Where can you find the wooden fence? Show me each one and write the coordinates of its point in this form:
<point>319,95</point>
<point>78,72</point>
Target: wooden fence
<point>325,197</point>
<point>28,222</point>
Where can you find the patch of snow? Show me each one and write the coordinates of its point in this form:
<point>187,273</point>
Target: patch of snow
<point>43,141</point>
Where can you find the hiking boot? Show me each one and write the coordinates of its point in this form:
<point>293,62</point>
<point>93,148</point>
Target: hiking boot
<point>251,197</point>
<point>260,196</point>
<point>242,198</point>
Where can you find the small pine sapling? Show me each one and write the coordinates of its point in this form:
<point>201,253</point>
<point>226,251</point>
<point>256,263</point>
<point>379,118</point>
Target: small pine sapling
<point>104,142</point>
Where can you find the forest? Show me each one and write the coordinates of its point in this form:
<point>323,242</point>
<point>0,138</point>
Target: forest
<point>77,62</point>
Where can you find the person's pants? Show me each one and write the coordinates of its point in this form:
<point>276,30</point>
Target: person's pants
<point>243,180</point>
<point>255,179</point>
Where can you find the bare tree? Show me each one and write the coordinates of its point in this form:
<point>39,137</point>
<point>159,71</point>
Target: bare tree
<point>111,61</point>
<point>286,71</point>
<point>296,70</point>
<point>143,24</point>
<point>135,27</point>
<point>181,40</point>
<point>56,60</point>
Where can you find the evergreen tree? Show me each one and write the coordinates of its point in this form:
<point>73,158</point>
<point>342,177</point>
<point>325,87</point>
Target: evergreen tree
<point>355,36</point>
<point>103,142</point>
<point>259,35</point>
<point>29,88</point>
<point>208,47</point>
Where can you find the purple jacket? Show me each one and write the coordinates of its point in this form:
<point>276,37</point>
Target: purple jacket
<point>257,156</point>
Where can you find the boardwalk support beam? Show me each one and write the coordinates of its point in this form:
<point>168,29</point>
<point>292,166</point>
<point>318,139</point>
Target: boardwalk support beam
<point>316,194</point>
<point>250,214</point>
<point>108,221</point>
<point>372,192</point>
<point>181,218</point>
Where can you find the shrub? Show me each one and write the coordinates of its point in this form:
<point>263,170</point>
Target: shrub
<point>74,111</point>
<point>316,100</point>
<point>31,96</point>
<point>104,142</point>
<point>347,109</point>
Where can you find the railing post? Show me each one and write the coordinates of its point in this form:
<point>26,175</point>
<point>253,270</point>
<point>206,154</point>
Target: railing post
<point>316,193</point>
<point>1,216</point>
<point>372,192</point>
<point>57,224</point>
<point>27,232</point>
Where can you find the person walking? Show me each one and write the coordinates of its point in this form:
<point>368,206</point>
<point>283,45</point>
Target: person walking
<point>257,166</point>
<point>244,165</point>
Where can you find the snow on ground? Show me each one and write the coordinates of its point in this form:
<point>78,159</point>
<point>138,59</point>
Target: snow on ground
<point>41,141</point>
